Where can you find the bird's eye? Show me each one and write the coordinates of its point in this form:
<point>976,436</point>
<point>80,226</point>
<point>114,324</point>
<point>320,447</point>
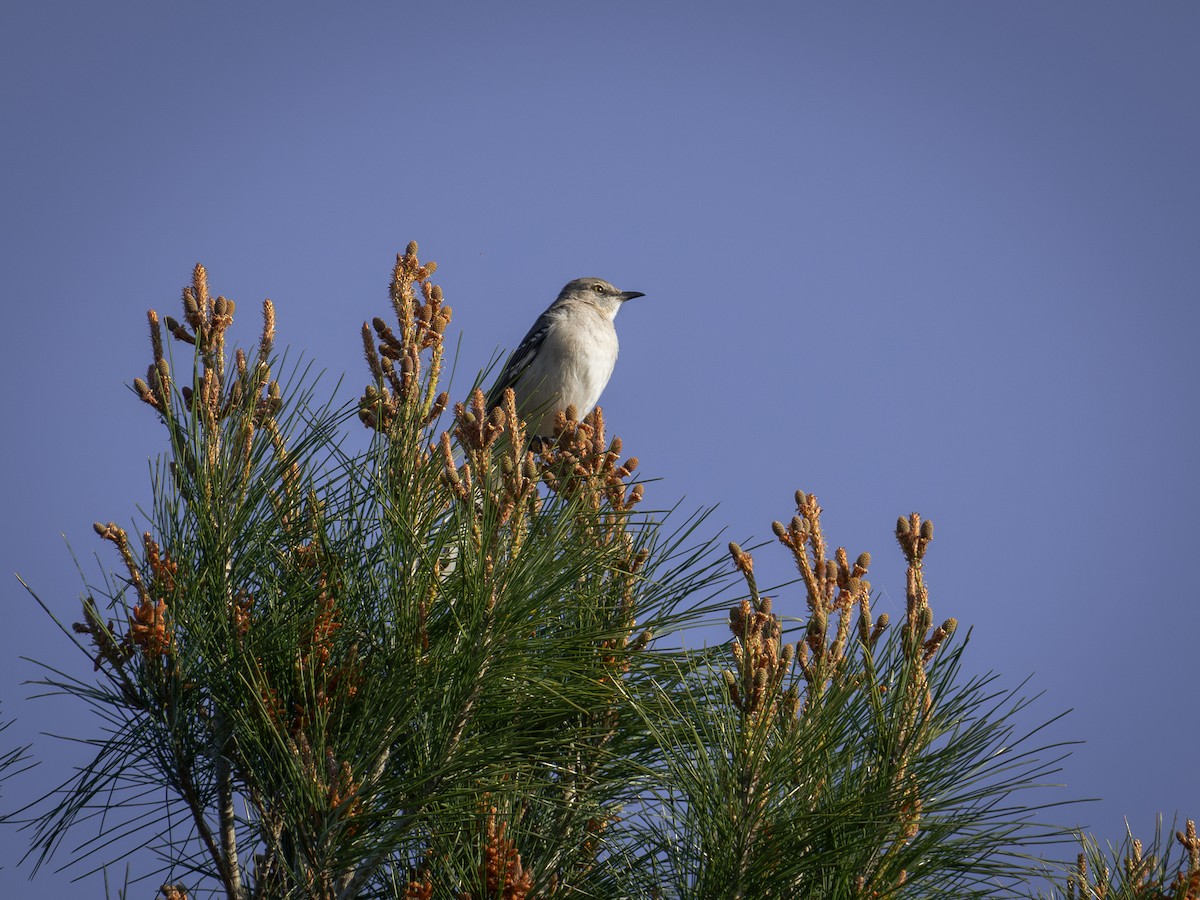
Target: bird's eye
<point>601,289</point>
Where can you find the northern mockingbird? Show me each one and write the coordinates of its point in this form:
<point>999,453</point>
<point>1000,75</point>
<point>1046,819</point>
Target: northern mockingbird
<point>567,356</point>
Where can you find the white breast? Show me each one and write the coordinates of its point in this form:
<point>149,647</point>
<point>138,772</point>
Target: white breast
<point>572,367</point>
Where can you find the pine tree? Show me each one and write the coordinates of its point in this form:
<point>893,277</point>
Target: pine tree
<point>449,665</point>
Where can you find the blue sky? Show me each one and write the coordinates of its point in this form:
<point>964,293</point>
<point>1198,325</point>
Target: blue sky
<point>924,256</point>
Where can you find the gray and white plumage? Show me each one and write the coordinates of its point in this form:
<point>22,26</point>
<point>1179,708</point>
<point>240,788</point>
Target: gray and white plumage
<point>567,357</point>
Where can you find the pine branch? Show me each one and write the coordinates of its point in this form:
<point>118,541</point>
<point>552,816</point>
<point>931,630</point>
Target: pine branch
<point>224,775</point>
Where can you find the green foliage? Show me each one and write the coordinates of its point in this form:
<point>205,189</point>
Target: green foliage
<point>1131,871</point>
<point>829,806</point>
<point>449,666</point>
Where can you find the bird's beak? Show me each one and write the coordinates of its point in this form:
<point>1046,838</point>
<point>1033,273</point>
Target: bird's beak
<point>629,295</point>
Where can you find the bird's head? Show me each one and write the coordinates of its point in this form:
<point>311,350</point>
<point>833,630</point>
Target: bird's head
<point>598,293</point>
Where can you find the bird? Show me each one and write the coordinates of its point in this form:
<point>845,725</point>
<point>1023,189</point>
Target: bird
<point>567,357</point>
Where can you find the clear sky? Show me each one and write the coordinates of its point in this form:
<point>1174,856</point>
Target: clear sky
<point>934,257</point>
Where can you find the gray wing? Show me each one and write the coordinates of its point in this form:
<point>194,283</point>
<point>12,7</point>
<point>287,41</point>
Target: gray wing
<point>520,359</point>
